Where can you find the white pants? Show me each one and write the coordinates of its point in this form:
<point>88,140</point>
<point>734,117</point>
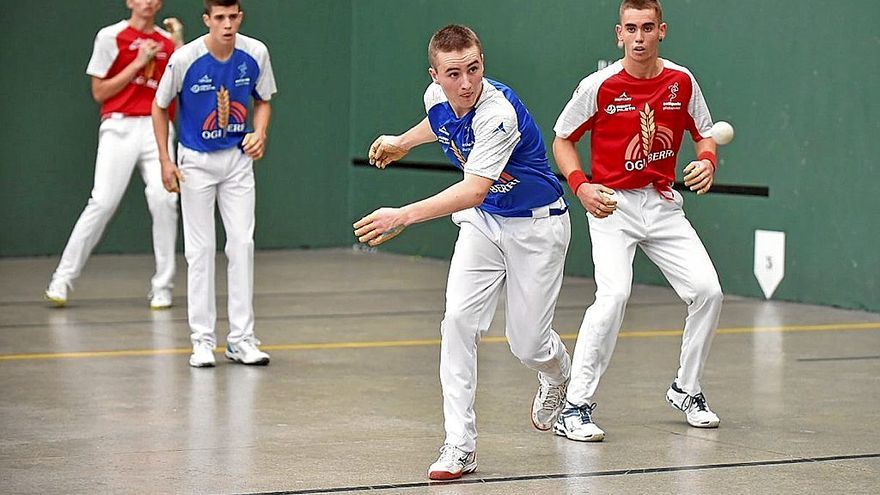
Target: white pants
<point>123,143</point>
<point>226,178</point>
<point>643,218</point>
<point>528,256</point>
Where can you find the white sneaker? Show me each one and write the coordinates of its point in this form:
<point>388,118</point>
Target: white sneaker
<point>547,404</point>
<point>202,356</point>
<point>452,463</point>
<point>576,423</point>
<point>694,406</point>
<point>57,292</point>
<point>160,299</point>
<point>247,352</point>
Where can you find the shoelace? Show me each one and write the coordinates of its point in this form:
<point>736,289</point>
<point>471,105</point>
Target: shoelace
<point>450,454</point>
<point>552,398</point>
<point>582,412</point>
<point>700,401</point>
<point>248,346</point>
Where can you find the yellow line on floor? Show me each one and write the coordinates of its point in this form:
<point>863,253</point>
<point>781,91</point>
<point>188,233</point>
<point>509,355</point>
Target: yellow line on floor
<point>433,342</point>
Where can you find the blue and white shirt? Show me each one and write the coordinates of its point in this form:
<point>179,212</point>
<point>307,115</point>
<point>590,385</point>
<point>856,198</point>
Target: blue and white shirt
<point>215,97</point>
<point>498,140</point>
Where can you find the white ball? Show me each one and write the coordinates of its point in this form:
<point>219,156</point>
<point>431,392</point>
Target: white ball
<point>722,132</point>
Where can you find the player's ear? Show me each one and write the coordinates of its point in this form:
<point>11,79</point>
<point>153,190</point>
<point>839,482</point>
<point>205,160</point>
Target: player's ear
<point>433,74</point>
<point>205,19</point>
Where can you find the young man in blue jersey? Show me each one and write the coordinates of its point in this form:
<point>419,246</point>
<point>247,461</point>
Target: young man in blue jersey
<point>215,77</point>
<point>514,232</point>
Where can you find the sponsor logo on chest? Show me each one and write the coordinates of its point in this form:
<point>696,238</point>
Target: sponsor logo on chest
<point>621,104</point>
<point>205,83</point>
<point>670,103</point>
<point>243,79</point>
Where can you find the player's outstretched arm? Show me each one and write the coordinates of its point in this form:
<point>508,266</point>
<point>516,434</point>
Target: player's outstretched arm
<point>699,175</point>
<point>595,198</point>
<point>385,223</point>
<point>170,173</point>
<point>386,149</point>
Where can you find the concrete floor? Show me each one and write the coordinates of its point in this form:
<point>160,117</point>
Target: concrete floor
<point>98,396</point>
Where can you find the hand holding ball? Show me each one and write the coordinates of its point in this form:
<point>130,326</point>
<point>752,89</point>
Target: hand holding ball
<point>722,132</point>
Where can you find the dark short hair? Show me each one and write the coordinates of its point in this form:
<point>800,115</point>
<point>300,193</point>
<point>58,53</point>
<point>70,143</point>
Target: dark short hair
<point>220,3</point>
<point>452,38</point>
<point>642,5</point>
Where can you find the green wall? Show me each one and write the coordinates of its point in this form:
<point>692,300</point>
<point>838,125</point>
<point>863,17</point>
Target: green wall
<point>795,79</point>
<point>50,142</point>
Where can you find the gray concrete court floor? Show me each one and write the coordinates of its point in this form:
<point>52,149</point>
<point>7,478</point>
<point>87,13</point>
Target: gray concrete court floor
<point>98,397</point>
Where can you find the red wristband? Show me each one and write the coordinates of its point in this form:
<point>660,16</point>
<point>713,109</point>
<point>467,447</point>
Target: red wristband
<point>576,179</point>
<point>708,155</point>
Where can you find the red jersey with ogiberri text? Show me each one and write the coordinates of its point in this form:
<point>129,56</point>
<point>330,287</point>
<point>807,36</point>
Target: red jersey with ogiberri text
<point>636,125</point>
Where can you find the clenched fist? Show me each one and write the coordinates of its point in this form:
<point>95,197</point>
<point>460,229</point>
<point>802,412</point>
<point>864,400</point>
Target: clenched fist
<point>386,149</point>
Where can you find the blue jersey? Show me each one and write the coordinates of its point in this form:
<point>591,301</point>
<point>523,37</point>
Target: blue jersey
<point>215,97</point>
<point>498,140</point>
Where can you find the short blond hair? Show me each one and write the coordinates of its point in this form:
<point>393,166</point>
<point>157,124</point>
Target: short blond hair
<point>452,38</point>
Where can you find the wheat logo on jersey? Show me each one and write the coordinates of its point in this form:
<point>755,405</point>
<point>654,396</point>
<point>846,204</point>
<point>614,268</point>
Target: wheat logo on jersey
<point>649,129</point>
<point>670,103</point>
<point>504,184</point>
<point>136,45</point>
<point>640,150</point>
<point>230,116</point>
<point>145,78</point>
<point>243,79</point>
<point>457,152</point>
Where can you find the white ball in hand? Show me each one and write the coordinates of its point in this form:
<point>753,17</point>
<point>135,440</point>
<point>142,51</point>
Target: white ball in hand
<point>722,132</point>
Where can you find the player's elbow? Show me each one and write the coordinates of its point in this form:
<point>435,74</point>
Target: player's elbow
<point>156,111</point>
<point>476,196</point>
<point>98,96</point>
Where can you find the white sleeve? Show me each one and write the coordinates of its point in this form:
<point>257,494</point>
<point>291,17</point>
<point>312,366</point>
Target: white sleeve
<point>496,134</point>
<point>104,54</point>
<point>582,106</point>
<point>433,95</point>
<point>265,86</point>
<point>172,80</point>
<point>699,110</point>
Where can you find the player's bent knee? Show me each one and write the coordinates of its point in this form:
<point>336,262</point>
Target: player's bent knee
<point>161,201</point>
<point>613,301</point>
<point>710,292</point>
<point>239,246</point>
<point>105,207</point>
